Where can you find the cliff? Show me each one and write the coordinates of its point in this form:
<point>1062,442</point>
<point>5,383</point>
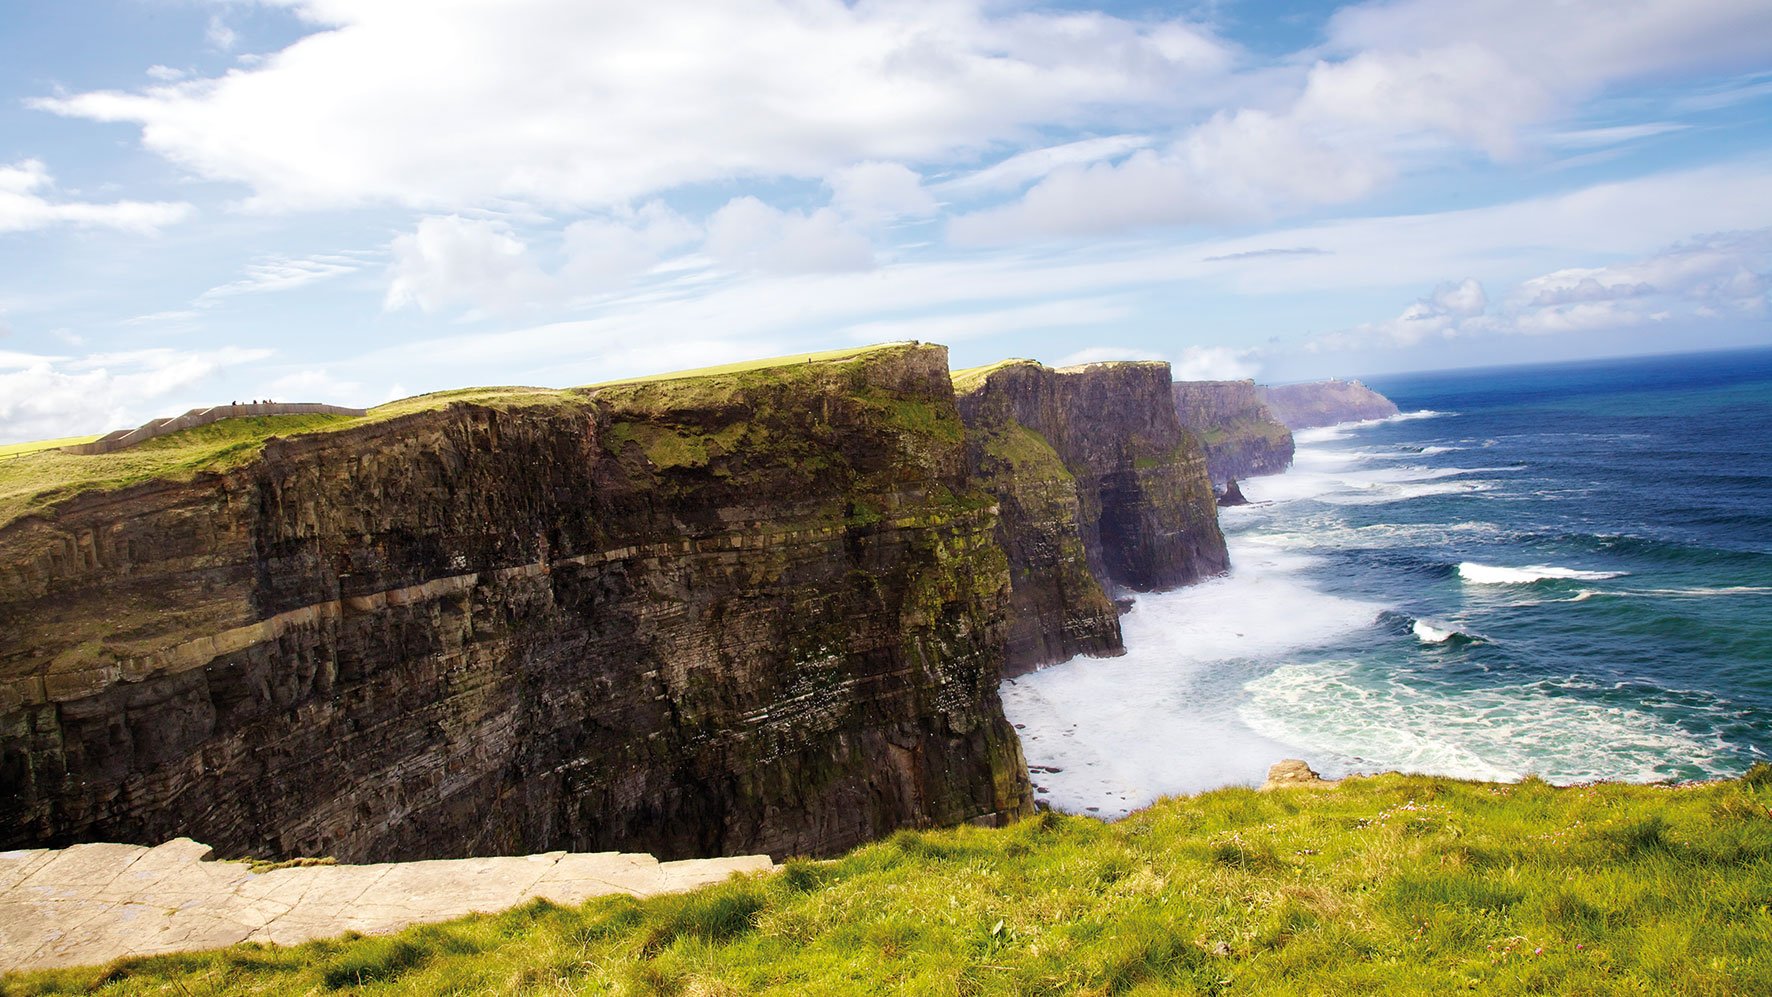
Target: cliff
<point>1241,435</point>
<point>1325,403</point>
<point>1099,489</point>
<point>756,611</point>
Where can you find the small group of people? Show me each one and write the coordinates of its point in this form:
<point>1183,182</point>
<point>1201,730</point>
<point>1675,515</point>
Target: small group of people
<point>256,401</point>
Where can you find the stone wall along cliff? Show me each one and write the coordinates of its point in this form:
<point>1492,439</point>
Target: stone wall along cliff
<point>1099,488</point>
<point>1242,437</point>
<point>758,612</point>
<point>1326,403</point>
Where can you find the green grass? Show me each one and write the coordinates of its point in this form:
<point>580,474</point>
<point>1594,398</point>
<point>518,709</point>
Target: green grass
<point>35,476</point>
<point>970,378</point>
<point>20,449</point>
<point>745,366</point>
<point>1394,884</point>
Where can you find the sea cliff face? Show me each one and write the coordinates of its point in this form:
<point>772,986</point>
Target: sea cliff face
<point>1325,403</point>
<point>1241,435</point>
<point>758,613</point>
<point>1100,489</point>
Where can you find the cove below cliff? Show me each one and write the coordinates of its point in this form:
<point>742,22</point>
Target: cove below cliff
<point>1475,589</point>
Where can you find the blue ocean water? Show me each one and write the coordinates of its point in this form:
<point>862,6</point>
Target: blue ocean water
<point>1560,570</point>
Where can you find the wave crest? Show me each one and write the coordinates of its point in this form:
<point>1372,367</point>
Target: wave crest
<point>1489,574</point>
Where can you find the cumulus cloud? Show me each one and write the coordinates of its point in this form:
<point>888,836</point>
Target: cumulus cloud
<point>605,251</point>
<point>1721,276</point>
<point>451,260</point>
<point>878,192</point>
<point>591,105</point>
<point>27,202</point>
<point>45,397</point>
<point>1443,313</point>
<point>1397,81</point>
<point>1215,363</point>
<point>748,234</point>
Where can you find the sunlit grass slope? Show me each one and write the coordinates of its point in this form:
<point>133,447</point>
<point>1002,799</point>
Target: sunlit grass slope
<point>34,476</point>
<point>1394,884</point>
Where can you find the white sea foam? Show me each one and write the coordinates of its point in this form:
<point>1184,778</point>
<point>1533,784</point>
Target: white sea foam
<point>1354,719</point>
<point>1489,574</point>
<point>1696,592</point>
<point>1162,719</point>
<point>1427,633</point>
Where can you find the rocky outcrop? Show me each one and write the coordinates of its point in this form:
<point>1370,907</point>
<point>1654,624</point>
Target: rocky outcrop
<point>1242,437</point>
<point>1231,496</point>
<point>1326,403</point>
<point>760,612</point>
<point>1099,489</point>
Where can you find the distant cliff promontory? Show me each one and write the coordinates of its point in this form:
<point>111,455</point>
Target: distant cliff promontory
<point>1325,403</point>
<point>1241,435</point>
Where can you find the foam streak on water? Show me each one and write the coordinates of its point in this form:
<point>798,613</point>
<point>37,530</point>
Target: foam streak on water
<point>1477,590</point>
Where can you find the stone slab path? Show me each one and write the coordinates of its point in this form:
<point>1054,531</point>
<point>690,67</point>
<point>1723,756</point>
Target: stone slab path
<point>89,904</point>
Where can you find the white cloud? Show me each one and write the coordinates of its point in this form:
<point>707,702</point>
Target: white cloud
<point>219,35</point>
<point>52,397</point>
<point>879,192</point>
<point>1409,79</point>
<point>1025,167</point>
<point>603,252</point>
<point>748,234</point>
<point>25,204</point>
<point>1215,363</point>
<point>1726,272</point>
<point>1079,313</point>
<point>451,260</point>
<point>165,74</point>
<point>1104,354</point>
<point>1443,314</point>
<point>592,105</point>
<point>1725,276</point>
<point>283,274</point>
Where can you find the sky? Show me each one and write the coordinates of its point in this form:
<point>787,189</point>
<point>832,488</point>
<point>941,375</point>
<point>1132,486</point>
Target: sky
<point>352,201</point>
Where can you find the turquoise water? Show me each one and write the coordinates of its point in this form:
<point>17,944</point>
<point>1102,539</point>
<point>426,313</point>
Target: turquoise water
<point>1563,571</point>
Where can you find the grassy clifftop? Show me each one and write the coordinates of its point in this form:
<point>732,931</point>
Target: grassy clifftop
<point>1392,884</point>
<point>35,476</point>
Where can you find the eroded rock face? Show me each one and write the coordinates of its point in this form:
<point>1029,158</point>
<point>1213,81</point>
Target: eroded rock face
<point>1242,438</point>
<point>1091,461</point>
<point>1326,403</point>
<point>762,613</point>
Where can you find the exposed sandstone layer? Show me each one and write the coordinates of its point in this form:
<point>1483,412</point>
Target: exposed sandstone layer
<point>762,612</point>
<point>1325,403</point>
<point>1100,488</point>
<point>1243,439</point>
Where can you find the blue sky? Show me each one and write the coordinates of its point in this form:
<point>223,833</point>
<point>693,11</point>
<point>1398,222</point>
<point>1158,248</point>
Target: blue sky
<point>356,200</point>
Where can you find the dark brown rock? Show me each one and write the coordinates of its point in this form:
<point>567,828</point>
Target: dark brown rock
<point>756,613</point>
<point>1087,458</point>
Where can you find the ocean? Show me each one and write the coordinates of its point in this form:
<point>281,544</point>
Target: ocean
<point>1562,571</point>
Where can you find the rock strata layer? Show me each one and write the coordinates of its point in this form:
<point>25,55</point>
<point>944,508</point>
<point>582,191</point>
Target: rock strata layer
<point>1100,489</point>
<point>1242,437</point>
<point>756,613</point>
